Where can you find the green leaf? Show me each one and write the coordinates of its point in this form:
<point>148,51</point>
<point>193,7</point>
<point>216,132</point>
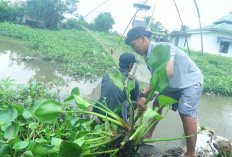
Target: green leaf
<point>28,113</point>
<point>7,114</point>
<point>118,109</point>
<point>56,142</point>
<point>69,98</point>
<point>41,149</point>
<point>130,84</point>
<point>49,111</point>
<point>14,140</point>
<point>80,141</point>
<point>73,120</point>
<point>163,80</point>
<point>41,140</point>
<point>33,125</point>
<point>5,126</point>
<point>11,131</point>
<point>37,104</point>
<point>76,91</point>
<point>154,81</point>
<point>68,148</point>
<point>159,57</point>
<point>165,100</point>
<point>4,150</point>
<point>31,145</point>
<point>81,103</point>
<point>118,79</point>
<point>27,154</point>
<point>87,124</point>
<point>151,113</point>
<point>19,108</point>
<point>21,145</point>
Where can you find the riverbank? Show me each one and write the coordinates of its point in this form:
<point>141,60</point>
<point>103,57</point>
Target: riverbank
<point>84,54</point>
<point>208,145</point>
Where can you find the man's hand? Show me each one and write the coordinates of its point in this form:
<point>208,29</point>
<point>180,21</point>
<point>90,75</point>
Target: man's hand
<point>140,104</point>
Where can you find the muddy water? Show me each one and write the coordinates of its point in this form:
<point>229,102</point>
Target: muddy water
<point>28,71</point>
<point>215,112</point>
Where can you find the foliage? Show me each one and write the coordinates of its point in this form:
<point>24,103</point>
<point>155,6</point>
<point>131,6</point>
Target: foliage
<point>157,26</point>
<point>50,12</point>
<point>104,22</point>
<point>75,51</point>
<point>10,11</point>
<point>184,27</point>
<point>75,24</point>
<point>217,71</point>
<point>23,95</point>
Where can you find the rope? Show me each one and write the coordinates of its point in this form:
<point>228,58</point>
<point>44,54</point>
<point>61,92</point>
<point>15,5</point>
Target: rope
<point>182,26</point>
<point>198,13</point>
<point>95,8</point>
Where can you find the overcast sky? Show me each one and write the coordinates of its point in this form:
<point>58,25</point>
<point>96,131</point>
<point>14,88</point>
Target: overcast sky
<point>165,11</point>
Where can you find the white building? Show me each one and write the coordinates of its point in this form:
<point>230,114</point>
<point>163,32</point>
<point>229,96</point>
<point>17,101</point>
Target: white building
<point>217,38</point>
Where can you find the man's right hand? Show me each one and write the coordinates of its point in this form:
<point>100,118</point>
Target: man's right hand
<point>140,104</point>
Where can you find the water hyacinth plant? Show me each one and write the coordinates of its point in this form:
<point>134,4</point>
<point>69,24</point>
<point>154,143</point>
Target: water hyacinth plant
<point>51,128</point>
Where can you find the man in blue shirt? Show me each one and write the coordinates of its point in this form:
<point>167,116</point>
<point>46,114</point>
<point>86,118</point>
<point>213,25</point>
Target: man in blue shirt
<point>111,95</point>
<point>185,83</point>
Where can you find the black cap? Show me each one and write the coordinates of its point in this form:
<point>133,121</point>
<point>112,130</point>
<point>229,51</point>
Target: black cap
<point>135,33</point>
<point>126,59</point>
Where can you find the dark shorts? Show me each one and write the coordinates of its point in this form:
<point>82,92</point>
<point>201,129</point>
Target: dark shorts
<point>188,99</point>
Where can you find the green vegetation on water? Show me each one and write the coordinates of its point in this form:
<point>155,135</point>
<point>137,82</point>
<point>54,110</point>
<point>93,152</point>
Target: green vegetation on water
<point>217,71</point>
<point>81,54</point>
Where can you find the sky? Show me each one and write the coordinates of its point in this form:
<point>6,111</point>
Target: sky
<point>165,12</point>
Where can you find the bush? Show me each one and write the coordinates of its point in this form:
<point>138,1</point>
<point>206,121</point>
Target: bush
<point>75,24</point>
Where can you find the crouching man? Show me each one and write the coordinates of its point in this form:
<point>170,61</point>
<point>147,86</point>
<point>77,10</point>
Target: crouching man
<point>112,96</point>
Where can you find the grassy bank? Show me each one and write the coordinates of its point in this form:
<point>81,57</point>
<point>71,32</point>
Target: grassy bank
<point>82,54</point>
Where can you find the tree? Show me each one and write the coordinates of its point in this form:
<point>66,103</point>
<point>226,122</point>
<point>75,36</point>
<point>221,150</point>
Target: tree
<point>76,24</point>
<point>104,22</point>
<point>10,11</point>
<point>184,27</point>
<point>157,26</point>
<point>49,13</point>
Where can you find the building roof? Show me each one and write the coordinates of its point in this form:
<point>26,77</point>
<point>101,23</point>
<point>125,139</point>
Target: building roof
<point>226,19</point>
<point>223,24</point>
<point>225,27</point>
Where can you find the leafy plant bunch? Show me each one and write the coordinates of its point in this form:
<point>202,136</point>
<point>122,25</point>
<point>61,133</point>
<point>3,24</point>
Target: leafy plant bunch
<point>49,128</point>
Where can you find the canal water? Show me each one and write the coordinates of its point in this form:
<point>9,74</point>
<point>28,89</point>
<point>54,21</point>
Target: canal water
<point>28,71</point>
<point>215,112</point>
